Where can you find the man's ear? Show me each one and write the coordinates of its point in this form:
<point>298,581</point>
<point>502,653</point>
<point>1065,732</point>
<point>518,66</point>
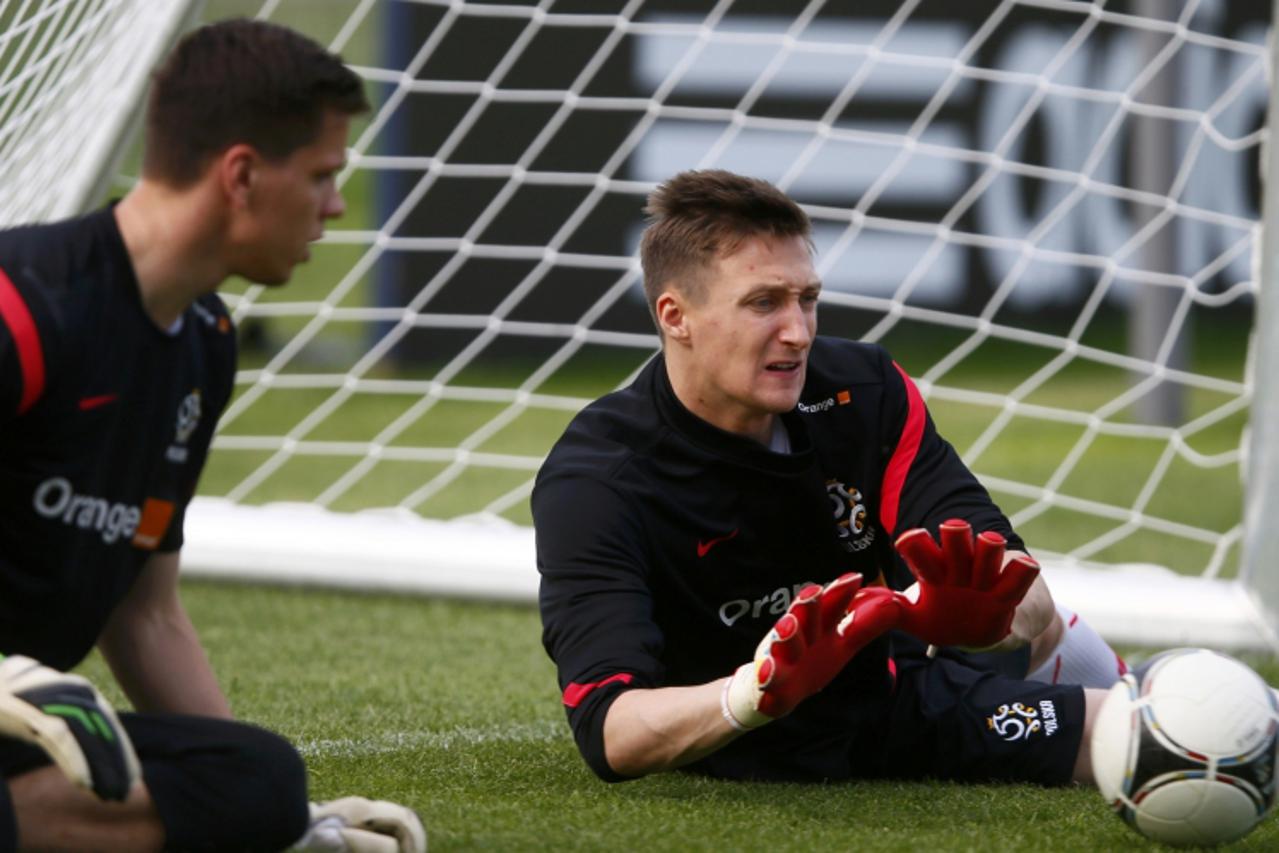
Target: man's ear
<point>671,317</point>
<point>237,171</point>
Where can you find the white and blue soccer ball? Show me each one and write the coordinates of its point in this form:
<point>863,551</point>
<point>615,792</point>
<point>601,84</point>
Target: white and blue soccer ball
<point>1184,749</point>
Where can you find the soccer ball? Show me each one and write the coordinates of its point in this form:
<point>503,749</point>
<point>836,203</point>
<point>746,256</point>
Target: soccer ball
<point>1184,748</point>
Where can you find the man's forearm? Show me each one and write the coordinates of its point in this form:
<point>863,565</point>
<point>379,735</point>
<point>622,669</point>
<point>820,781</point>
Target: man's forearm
<point>161,666</point>
<point>1034,613</point>
<point>154,650</point>
<point>823,629</point>
<point>648,731</point>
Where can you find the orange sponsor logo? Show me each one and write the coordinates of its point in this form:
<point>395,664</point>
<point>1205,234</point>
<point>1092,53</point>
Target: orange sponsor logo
<point>156,515</point>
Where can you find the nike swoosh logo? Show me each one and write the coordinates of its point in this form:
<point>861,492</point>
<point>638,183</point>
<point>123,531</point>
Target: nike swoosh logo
<point>704,547</point>
<point>87,403</point>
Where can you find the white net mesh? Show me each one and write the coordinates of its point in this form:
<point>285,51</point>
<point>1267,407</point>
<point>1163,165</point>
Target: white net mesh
<point>70,76</point>
<point>1045,210</point>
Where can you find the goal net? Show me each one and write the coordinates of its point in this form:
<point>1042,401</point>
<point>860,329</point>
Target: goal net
<point>71,75</point>
<point>1047,211</point>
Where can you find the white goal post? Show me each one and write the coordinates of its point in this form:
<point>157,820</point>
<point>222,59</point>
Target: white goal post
<point>1049,211</point>
<point>1261,543</point>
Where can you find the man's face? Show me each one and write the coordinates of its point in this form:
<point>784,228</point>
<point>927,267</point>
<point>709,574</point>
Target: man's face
<point>290,201</point>
<point>748,338</point>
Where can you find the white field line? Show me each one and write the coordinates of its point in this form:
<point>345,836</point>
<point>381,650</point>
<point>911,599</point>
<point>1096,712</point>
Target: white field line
<point>390,742</point>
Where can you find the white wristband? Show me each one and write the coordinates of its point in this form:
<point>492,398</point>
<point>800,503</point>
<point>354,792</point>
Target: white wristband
<point>723,708</point>
<point>739,702</point>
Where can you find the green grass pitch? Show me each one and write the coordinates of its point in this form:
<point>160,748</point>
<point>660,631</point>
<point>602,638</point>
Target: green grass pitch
<point>452,708</point>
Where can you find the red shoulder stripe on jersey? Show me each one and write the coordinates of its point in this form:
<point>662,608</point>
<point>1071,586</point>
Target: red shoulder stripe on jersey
<point>26,337</point>
<point>903,455</point>
<point>575,693</point>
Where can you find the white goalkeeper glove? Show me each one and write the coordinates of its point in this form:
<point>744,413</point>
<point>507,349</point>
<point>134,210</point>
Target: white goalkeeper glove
<point>66,717</point>
<point>357,825</point>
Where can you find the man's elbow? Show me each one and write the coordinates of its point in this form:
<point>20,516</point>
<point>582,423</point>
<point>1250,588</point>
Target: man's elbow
<point>607,753</point>
<point>622,764</point>
<point>611,767</point>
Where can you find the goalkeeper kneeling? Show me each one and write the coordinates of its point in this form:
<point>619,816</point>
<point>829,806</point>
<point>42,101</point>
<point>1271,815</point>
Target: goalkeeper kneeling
<point>761,561</point>
<point>116,359</point>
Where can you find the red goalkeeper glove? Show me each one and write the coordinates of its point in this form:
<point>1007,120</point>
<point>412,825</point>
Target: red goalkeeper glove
<point>965,599</point>
<point>821,632</point>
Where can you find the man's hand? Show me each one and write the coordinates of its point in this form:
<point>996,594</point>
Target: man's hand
<point>66,716</point>
<point>357,825</point>
<point>965,599</point>
<point>821,632</point>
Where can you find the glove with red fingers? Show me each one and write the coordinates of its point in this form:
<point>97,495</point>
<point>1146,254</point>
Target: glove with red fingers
<point>821,632</point>
<point>967,597</point>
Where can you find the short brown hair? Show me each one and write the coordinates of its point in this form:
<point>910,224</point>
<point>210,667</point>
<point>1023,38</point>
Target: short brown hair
<point>698,216</point>
<point>241,81</point>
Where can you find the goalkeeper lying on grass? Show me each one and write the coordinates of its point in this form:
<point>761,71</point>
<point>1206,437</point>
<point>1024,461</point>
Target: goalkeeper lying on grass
<point>720,588</point>
<point>116,358</point>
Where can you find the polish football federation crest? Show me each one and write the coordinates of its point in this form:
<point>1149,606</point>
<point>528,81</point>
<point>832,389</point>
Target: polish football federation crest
<point>850,516</point>
<point>188,419</point>
<point>1018,721</point>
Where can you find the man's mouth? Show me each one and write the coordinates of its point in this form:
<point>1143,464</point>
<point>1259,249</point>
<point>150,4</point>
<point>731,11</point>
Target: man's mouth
<point>783,366</point>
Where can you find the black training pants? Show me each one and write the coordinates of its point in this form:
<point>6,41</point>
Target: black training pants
<point>219,785</point>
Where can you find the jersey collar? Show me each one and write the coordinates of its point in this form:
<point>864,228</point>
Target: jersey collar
<point>728,446</point>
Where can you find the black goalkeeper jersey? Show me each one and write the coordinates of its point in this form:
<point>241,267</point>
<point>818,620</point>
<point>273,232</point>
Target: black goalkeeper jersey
<point>105,422</point>
<point>668,547</point>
